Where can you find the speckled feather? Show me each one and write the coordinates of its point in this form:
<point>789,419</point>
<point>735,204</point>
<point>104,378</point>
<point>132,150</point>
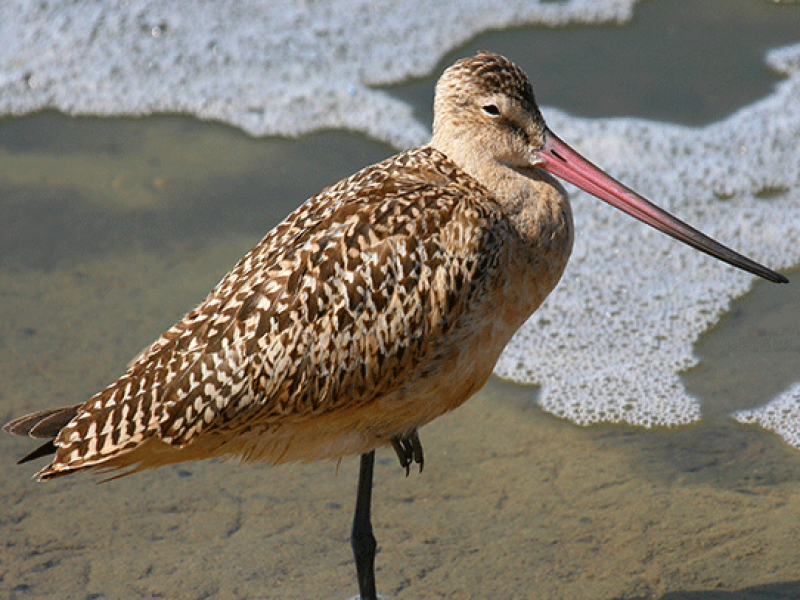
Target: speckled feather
<point>376,306</point>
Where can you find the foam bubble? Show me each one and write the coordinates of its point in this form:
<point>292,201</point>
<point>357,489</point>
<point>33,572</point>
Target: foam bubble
<point>781,415</point>
<point>283,67</point>
<point>608,344</point>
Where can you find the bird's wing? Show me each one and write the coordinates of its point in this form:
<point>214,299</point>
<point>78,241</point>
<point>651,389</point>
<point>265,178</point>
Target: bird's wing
<point>325,311</point>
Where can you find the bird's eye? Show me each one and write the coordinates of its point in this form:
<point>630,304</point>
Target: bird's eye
<point>491,109</point>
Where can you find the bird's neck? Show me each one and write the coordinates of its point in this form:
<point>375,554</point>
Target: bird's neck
<point>537,207</point>
<point>532,199</point>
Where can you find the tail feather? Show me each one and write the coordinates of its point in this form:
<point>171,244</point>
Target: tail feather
<point>47,448</point>
<point>44,424</point>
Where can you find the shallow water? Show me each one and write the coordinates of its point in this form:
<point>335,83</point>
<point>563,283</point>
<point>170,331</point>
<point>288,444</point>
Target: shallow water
<point>111,229</point>
<point>678,61</point>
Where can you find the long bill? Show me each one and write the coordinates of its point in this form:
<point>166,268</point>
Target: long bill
<point>562,161</point>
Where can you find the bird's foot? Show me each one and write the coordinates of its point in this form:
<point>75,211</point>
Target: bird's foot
<point>409,450</point>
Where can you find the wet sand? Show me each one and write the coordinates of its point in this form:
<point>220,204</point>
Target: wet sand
<point>112,229</point>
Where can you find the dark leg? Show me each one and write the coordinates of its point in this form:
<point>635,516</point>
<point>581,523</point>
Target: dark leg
<point>409,449</point>
<point>361,538</point>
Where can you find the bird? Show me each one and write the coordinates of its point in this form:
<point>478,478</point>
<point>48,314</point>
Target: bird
<point>378,305</point>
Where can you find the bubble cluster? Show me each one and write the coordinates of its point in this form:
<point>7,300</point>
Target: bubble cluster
<point>609,342</point>
<point>781,415</point>
<point>284,67</point>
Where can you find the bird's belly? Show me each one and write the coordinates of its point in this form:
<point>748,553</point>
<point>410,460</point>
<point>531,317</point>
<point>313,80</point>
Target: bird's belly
<point>433,389</point>
<point>457,365</point>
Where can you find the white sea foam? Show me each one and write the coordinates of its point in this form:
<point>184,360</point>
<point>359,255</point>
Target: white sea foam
<point>269,67</point>
<point>782,415</point>
<point>608,344</point>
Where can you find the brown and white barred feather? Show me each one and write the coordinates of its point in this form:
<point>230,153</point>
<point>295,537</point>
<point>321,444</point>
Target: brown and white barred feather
<point>331,311</point>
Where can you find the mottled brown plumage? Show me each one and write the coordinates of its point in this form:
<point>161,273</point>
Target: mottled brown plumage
<point>378,305</point>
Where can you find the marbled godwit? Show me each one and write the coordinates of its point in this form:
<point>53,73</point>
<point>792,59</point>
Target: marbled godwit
<point>378,305</point>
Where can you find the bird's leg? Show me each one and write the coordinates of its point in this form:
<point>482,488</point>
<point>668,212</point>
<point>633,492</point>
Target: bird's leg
<point>409,449</point>
<point>362,539</point>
